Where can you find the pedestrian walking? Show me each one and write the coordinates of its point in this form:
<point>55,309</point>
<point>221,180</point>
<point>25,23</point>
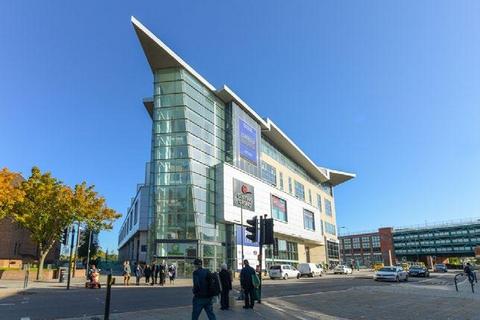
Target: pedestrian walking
<point>226,282</point>
<point>126,272</point>
<point>201,296</point>
<point>469,272</point>
<point>138,273</point>
<point>161,273</point>
<point>147,272</point>
<point>172,273</point>
<point>246,281</point>
<point>155,271</point>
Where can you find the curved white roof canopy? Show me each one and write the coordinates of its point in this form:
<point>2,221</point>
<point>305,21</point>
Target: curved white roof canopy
<point>160,56</point>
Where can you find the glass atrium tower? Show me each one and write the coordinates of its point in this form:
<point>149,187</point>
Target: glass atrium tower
<point>206,145</point>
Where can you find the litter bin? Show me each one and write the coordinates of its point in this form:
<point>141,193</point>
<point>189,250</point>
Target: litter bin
<point>62,272</point>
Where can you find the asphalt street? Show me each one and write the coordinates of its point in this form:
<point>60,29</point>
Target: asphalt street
<point>58,303</point>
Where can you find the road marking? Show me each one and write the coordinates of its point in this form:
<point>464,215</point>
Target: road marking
<point>7,304</point>
<point>25,318</point>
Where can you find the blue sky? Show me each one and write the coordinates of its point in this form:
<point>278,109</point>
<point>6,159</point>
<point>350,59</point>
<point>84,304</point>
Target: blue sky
<point>388,90</point>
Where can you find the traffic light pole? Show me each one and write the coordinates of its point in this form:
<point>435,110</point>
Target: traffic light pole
<point>243,231</point>
<point>262,240</point>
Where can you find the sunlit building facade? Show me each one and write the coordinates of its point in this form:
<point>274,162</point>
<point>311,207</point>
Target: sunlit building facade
<point>209,148</point>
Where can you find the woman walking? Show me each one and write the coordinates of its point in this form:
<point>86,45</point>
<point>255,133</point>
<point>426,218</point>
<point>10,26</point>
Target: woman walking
<point>126,273</point>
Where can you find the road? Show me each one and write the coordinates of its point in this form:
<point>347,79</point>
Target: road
<point>58,303</point>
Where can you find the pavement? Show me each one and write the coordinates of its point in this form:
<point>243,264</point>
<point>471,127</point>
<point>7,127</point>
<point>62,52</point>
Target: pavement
<point>341,297</point>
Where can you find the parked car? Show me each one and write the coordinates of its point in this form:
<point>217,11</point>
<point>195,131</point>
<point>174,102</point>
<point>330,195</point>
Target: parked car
<point>310,269</point>
<point>283,271</point>
<point>418,271</point>
<point>341,269</point>
<point>440,267</point>
<point>391,274</point>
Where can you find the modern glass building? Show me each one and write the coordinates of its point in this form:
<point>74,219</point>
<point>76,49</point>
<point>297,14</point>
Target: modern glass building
<point>214,160</point>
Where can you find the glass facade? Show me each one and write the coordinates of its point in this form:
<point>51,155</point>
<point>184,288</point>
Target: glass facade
<point>188,139</point>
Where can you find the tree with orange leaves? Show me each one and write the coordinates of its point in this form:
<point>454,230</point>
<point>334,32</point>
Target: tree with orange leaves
<point>10,193</point>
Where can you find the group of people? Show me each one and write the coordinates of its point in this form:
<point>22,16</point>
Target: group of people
<point>154,273</point>
<point>203,294</point>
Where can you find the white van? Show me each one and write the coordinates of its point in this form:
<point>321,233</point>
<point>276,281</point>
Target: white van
<point>310,269</point>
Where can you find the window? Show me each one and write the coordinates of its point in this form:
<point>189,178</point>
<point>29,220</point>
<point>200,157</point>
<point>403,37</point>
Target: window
<point>289,185</point>
<point>330,228</point>
<point>321,225</point>
<point>365,242</point>
<point>287,250</point>
<point>281,181</point>
<point>143,248</point>
<point>136,213</point>
<point>356,243</point>
<point>328,207</point>
<point>347,244</point>
<point>319,202</point>
<point>299,191</point>
<point>269,174</point>
<point>308,220</point>
<point>327,188</point>
<point>376,241</point>
<point>310,196</point>
<point>332,249</point>
<point>279,209</point>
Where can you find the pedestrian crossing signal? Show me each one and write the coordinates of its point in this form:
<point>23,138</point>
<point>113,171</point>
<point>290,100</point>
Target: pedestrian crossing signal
<point>253,229</point>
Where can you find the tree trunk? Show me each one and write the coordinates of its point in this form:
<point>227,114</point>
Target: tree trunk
<point>43,255</point>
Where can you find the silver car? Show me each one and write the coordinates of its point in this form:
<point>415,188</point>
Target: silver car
<point>391,274</point>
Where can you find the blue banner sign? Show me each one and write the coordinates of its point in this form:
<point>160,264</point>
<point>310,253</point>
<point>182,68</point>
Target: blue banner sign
<point>248,142</point>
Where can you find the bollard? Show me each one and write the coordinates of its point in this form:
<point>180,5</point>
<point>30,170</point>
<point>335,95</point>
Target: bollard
<point>110,281</point>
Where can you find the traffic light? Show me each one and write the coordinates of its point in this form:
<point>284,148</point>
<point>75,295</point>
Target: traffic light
<point>267,231</point>
<point>65,236</point>
<point>253,229</point>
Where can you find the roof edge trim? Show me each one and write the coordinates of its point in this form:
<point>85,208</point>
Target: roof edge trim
<point>137,24</point>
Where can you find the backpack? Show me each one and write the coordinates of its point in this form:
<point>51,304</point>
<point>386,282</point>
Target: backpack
<point>213,283</point>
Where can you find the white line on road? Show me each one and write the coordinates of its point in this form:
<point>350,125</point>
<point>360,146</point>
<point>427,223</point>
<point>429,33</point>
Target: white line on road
<point>25,318</point>
<point>7,304</point>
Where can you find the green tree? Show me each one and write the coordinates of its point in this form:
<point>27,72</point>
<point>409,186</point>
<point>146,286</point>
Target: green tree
<point>45,211</point>
<point>49,207</point>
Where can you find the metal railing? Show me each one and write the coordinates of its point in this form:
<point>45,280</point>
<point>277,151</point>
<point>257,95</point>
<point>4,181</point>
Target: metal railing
<point>472,279</point>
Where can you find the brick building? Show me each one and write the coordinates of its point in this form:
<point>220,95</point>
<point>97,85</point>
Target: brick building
<point>16,244</point>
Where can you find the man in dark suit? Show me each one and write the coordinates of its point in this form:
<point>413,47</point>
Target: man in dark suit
<point>246,282</point>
